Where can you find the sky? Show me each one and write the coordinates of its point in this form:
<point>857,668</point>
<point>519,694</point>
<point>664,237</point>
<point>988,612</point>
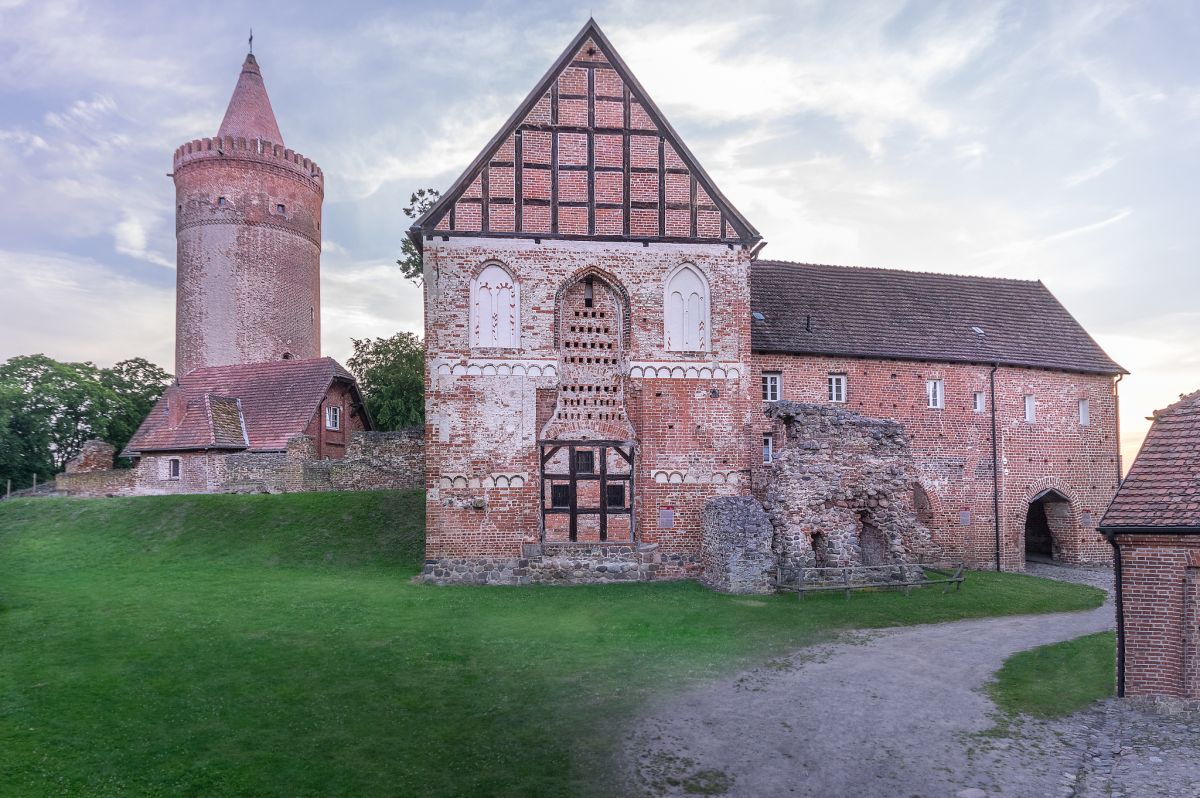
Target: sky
<point>1053,141</point>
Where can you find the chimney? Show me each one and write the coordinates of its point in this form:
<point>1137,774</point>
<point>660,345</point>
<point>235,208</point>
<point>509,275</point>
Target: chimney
<point>176,405</point>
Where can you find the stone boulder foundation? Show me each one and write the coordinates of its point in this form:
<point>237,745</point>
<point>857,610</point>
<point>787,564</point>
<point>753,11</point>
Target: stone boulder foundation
<point>736,546</point>
<point>839,494</point>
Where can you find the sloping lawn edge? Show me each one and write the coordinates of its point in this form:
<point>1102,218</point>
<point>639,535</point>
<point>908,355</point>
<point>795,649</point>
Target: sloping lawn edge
<point>1058,679</point>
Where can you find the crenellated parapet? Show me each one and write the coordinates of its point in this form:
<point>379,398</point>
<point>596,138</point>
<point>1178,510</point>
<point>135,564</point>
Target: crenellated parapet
<point>258,150</point>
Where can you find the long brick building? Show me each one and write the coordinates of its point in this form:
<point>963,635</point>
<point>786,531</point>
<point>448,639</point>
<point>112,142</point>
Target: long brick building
<point>602,337</point>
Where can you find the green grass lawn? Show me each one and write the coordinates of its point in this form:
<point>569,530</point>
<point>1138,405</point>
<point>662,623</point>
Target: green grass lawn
<point>274,645</point>
<point>1058,679</point>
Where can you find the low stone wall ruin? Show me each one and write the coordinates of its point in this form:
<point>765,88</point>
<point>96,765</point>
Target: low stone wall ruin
<point>373,461</point>
<point>838,496</point>
<point>561,564</point>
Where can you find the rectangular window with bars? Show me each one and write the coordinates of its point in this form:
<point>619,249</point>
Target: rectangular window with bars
<point>837,387</point>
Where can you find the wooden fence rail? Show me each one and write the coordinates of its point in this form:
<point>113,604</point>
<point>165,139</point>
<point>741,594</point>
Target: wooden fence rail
<point>951,578</point>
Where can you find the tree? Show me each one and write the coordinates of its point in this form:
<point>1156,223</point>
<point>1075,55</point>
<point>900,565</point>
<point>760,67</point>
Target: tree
<point>48,409</point>
<point>137,384</point>
<point>410,265</point>
<point>391,376</point>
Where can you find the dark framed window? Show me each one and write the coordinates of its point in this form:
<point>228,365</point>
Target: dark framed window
<point>616,495</point>
<point>175,466</point>
<point>585,461</point>
<point>560,495</point>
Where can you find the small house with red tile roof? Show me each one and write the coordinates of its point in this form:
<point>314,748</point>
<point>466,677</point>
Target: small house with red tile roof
<point>1153,525</point>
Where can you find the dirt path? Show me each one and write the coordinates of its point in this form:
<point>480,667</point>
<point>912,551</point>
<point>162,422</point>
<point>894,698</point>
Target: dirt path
<point>886,713</point>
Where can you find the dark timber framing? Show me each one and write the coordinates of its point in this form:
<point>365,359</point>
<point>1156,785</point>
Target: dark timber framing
<point>732,226</point>
<point>573,477</point>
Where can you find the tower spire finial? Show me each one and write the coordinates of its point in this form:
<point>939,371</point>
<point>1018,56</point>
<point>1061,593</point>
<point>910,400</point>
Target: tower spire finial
<point>252,41</point>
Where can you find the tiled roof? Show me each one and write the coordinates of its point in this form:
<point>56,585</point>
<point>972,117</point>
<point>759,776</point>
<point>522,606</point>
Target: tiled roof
<point>1163,485</point>
<point>257,406</point>
<point>883,313</point>
<point>249,114</point>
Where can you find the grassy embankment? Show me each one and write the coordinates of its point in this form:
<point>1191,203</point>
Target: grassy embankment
<point>274,645</point>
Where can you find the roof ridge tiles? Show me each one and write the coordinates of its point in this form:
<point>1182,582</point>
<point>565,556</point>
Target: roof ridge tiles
<point>893,270</point>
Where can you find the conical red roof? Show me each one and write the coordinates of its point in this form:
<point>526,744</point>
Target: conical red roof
<point>249,114</point>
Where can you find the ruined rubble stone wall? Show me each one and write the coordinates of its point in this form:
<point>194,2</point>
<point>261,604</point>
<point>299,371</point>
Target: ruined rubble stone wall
<point>737,554</point>
<point>952,447</point>
<point>248,285</point>
<point>561,564</point>
<point>689,410</point>
<point>95,455</point>
<point>1160,592</point>
<point>839,492</point>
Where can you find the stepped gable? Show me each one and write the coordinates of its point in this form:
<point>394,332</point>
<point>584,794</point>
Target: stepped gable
<point>1162,489</point>
<point>587,155</point>
<point>249,114</point>
<point>813,309</point>
<point>256,406</point>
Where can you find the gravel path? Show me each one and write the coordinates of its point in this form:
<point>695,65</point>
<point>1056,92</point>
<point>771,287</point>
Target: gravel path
<point>901,713</point>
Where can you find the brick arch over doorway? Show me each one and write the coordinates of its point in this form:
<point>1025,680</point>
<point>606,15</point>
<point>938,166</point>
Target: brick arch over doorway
<point>1050,525</point>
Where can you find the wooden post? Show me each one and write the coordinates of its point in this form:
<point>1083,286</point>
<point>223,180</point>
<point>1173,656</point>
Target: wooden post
<point>34,493</point>
<point>8,490</point>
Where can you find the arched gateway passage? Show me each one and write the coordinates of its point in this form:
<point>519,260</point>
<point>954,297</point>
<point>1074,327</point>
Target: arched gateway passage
<point>1046,522</point>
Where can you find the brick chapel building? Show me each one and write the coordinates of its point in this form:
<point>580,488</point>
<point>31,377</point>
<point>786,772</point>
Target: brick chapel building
<point>249,371</point>
<point>602,337</point>
<point>1154,527</point>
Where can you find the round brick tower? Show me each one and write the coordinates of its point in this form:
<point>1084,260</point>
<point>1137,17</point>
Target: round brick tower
<point>248,232</point>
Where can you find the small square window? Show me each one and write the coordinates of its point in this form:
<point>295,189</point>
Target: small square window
<point>221,202</point>
<point>174,467</point>
<point>615,496</point>
<point>1085,413</point>
<point>935,392</point>
<point>585,462</point>
<point>1030,409</point>
<point>280,208</point>
<point>768,448</point>
<point>979,402</point>
<point>560,496</point>
<point>837,387</point>
<point>772,386</point>
<point>333,417</point>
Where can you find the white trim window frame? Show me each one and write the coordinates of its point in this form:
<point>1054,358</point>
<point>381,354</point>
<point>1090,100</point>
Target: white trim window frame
<point>768,441</point>
<point>772,386</point>
<point>1085,413</point>
<point>333,417</point>
<point>837,385</point>
<point>935,394</point>
<point>1030,409</point>
<point>979,402</point>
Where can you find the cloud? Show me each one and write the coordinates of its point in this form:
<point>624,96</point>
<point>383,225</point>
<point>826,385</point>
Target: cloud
<point>62,313</point>
<point>1090,172</point>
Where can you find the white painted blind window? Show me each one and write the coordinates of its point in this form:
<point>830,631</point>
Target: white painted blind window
<point>837,387</point>
<point>1085,413</point>
<point>772,386</point>
<point>935,392</point>
<point>685,311</point>
<point>1030,408</point>
<point>495,309</point>
<point>980,402</point>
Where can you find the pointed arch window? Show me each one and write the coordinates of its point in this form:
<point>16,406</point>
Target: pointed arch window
<point>495,309</point>
<point>686,311</point>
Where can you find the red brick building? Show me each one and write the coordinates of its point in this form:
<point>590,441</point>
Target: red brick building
<point>1154,527</point>
<point>601,338</point>
<point>210,413</point>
